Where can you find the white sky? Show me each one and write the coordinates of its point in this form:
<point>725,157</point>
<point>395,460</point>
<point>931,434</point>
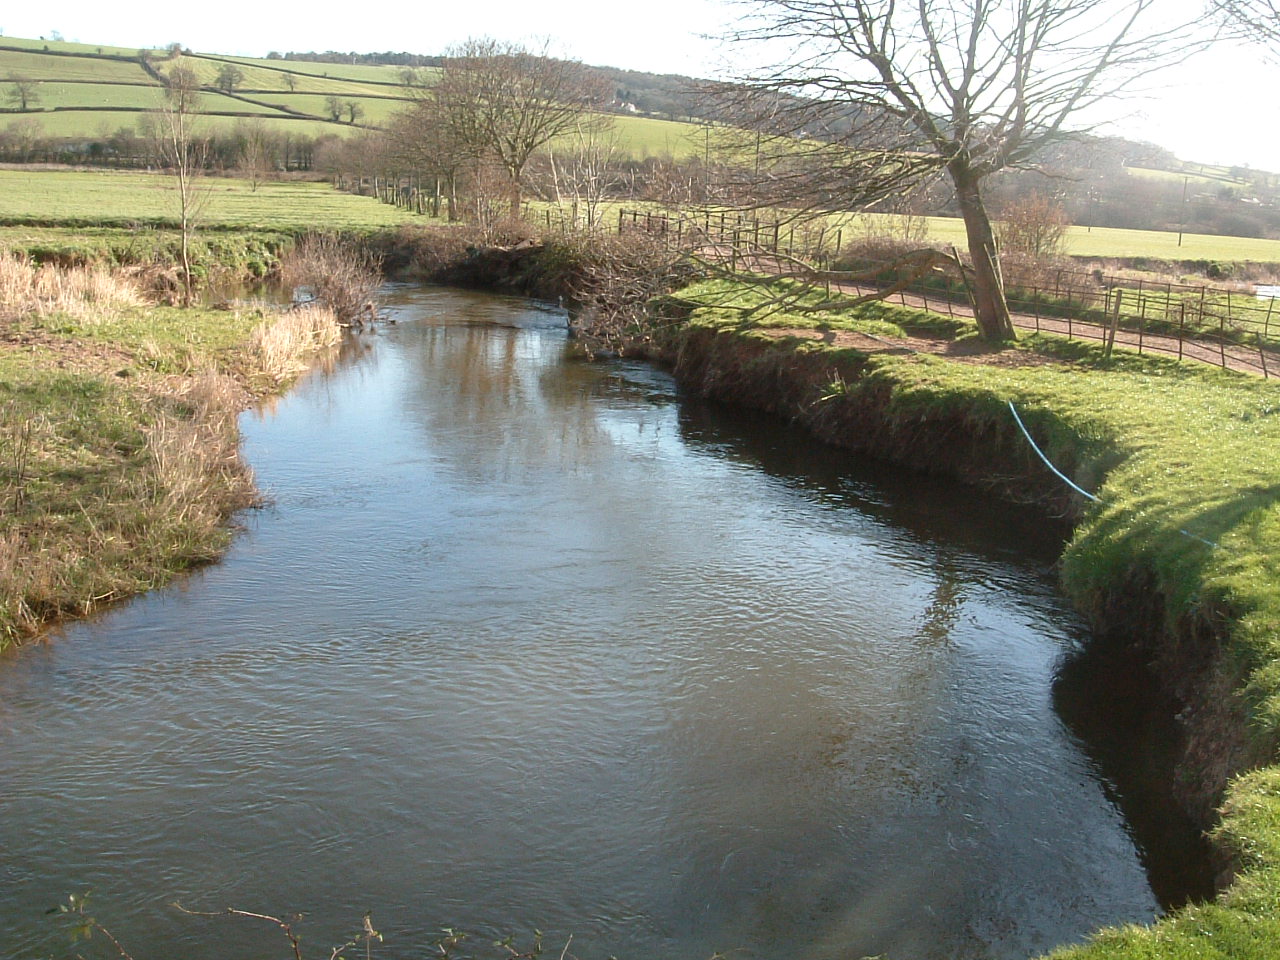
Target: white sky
<point>1218,107</point>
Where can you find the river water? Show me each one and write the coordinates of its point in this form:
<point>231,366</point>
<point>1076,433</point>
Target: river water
<point>523,641</point>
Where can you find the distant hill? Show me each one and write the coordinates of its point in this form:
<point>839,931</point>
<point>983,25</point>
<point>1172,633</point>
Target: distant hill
<point>93,101</point>
<point>54,90</point>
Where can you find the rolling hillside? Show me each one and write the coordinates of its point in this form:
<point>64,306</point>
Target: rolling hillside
<point>76,90</point>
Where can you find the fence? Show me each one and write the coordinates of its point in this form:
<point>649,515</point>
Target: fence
<point>1211,324</point>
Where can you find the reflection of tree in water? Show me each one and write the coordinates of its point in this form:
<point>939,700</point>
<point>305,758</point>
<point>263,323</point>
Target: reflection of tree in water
<point>945,599</point>
<point>497,399</point>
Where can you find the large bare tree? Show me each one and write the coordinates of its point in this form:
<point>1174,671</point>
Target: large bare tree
<point>503,102</point>
<point>869,96</point>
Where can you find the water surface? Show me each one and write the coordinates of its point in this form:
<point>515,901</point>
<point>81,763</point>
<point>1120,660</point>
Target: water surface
<point>524,641</point>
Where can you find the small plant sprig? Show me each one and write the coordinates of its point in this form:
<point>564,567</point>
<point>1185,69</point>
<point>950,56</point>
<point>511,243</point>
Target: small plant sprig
<point>83,923</point>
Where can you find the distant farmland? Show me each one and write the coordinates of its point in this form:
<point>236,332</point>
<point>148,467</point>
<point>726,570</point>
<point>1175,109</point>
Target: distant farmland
<point>91,92</point>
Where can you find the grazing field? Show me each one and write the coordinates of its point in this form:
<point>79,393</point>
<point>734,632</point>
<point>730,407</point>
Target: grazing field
<point>36,197</point>
<point>1111,242</point>
<point>358,72</point>
<point>81,92</point>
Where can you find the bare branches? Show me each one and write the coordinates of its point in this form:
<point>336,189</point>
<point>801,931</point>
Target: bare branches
<point>501,101</point>
<point>1257,20</point>
<point>866,98</point>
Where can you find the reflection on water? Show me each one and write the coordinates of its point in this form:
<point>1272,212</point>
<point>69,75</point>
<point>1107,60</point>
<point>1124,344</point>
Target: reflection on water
<point>524,641</point>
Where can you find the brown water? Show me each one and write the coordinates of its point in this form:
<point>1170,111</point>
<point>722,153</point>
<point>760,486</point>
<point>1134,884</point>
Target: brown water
<point>525,641</point>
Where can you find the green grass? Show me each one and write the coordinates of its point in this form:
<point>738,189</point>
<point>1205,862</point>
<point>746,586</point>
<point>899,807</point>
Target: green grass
<point>68,46</point>
<point>1109,241</point>
<point>118,463</point>
<point>379,91</point>
<point>644,137</point>
<point>38,66</point>
<point>358,72</point>
<point>270,78</point>
<point>1133,429</point>
<point>95,506</point>
<point>133,96</point>
<point>59,197</point>
<point>129,91</point>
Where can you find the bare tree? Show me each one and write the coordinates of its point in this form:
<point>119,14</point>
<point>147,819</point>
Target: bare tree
<point>868,97</point>
<point>22,92</point>
<point>333,104</point>
<point>1033,225</point>
<point>21,139</point>
<point>255,160</point>
<point>585,171</point>
<point>354,109</point>
<point>420,140</point>
<point>184,154</point>
<point>504,102</point>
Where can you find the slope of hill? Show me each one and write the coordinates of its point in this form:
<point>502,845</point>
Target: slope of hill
<point>72,90</point>
<point>92,97</point>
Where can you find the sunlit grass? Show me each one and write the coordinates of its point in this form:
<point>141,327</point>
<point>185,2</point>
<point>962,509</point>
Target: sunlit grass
<point>120,197</point>
<point>118,460</point>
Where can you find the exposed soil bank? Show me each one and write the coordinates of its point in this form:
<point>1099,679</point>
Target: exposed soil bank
<point>786,379</point>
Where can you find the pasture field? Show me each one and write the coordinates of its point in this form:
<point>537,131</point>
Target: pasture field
<point>91,95</point>
<point>1110,241</point>
<point>92,69</point>
<point>1209,176</point>
<point>271,78</point>
<point>358,72</point>
<point>36,197</point>
<point>81,92</point>
<point>102,123</point>
<point>70,46</point>
<point>642,137</point>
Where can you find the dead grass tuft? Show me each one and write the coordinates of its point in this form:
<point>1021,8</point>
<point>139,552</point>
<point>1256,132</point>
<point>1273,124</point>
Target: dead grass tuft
<point>283,344</point>
<point>87,293</point>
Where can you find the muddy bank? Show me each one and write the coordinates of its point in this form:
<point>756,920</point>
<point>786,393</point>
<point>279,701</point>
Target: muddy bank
<point>461,257</point>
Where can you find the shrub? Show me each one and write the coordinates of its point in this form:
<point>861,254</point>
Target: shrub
<point>1033,225</point>
<point>335,273</point>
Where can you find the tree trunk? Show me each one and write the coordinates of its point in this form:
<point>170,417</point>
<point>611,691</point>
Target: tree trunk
<point>990,308</point>
<point>513,173</point>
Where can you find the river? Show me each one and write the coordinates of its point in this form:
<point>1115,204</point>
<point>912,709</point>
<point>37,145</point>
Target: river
<point>523,641</point>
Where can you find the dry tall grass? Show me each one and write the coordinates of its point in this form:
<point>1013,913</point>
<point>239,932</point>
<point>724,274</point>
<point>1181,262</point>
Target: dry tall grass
<point>282,345</point>
<point>86,293</point>
<point>334,273</point>
<point>111,482</point>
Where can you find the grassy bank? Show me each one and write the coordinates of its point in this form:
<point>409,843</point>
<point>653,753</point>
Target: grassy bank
<point>70,218</point>
<point>1182,553</point>
<point>118,440</point>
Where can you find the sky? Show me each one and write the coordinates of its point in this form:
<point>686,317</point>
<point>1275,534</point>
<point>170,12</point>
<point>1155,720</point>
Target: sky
<point>1216,107</point>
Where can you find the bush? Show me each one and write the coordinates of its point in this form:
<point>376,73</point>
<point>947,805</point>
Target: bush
<point>1033,226</point>
<point>334,273</point>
